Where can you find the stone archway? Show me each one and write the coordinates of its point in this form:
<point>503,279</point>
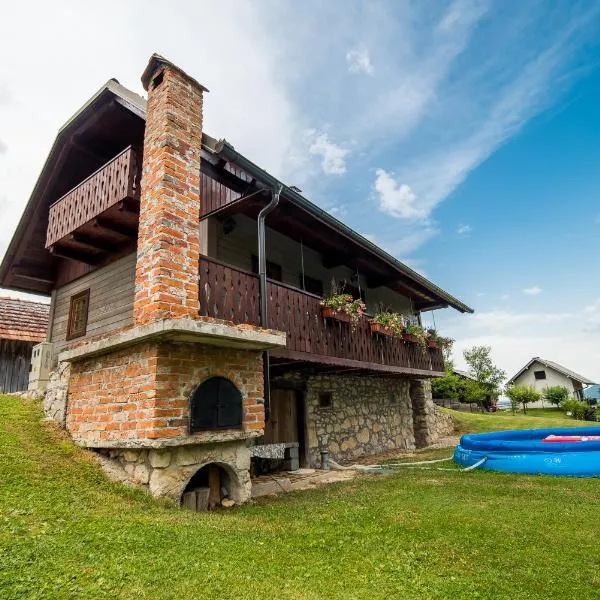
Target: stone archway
<point>211,485</point>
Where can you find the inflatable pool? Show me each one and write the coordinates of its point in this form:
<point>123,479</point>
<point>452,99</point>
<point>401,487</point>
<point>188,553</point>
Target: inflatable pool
<point>570,452</point>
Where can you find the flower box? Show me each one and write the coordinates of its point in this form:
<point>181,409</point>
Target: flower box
<point>412,339</point>
<point>378,328</point>
<point>329,313</point>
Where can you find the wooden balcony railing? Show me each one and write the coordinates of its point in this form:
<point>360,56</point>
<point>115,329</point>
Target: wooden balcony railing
<point>232,294</point>
<point>114,182</point>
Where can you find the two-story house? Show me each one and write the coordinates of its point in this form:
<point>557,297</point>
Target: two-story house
<point>186,332</point>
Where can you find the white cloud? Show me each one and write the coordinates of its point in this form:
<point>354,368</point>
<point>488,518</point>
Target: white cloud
<point>534,290</point>
<point>5,95</point>
<point>463,229</point>
<point>333,156</point>
<point>396,199</point>
<point>3,147</point>
<point>505,297</point>
<point>359,61</point>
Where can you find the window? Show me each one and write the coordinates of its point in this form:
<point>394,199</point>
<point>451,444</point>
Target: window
<point>325,399</point>
<point>539,374</point>
<point>78,315</point>
<point>312,285</point>
<point>216,404</point>
<point>273,269</point>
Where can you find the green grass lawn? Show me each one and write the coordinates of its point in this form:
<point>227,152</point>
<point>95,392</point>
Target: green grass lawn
<point>468,422</point>
<point>65,532</point>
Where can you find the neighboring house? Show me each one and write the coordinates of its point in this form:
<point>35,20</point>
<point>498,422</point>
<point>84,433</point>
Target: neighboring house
<point>23,324</point>
<point>541,374</point>
<point>171,354</point>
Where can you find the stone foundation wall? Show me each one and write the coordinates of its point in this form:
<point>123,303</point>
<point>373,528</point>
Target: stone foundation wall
<point>166,472</point>
<point>55,397</point>
<point>368,415</point>
<point>442,424</point>
<point>142,392</point>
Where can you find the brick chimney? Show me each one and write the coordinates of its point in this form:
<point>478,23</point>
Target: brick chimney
<point>166,277</point>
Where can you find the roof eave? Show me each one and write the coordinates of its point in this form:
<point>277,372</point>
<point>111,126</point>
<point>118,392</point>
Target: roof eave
<point>225,150</point>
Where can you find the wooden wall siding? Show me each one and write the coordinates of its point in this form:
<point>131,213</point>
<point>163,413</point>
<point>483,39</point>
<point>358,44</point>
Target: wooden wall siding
<point>111,301</point>
<point>232,294</point>
<point>110,184</point>
<point>215,195</point>
<point>15,358</point>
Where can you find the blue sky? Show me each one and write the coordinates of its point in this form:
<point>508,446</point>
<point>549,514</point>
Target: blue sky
<point>460,135</point>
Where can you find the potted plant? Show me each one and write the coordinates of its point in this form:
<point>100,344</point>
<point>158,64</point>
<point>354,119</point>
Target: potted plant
<point>387,323</point>
<point>343,307</point>
<point>434,340</point>
<point>415,334</point>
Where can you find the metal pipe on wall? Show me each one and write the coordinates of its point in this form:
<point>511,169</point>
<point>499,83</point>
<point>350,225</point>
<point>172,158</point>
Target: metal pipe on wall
<point>262,286</point>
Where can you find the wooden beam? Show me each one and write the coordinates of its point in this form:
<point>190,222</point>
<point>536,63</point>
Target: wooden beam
<point>380,281</point>
<point>88,242</point>
<point>348,362</point>
<point>332,260</point>
<point>129,206</point>
<point>76,255</point>
<point>115,228</point>
<point>37,278</point>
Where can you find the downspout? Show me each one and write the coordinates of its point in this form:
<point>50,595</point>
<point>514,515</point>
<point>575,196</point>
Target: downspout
<point>262,289</point>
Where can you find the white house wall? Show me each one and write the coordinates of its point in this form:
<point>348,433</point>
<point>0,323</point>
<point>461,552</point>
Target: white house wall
<point>553,378</point>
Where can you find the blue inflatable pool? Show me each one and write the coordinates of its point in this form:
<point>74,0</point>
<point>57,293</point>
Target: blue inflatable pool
<point>525,452</point>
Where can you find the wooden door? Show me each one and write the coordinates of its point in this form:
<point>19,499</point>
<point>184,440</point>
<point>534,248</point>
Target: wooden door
<point>283,424</point>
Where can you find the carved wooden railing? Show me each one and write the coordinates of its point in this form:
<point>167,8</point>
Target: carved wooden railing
<point>232,294</point>
<point>113,182</point>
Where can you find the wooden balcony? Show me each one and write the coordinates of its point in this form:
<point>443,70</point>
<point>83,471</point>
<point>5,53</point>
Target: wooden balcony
<point>100,214</point>
<point>231,294</point>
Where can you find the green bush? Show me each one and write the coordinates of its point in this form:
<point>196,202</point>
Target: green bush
<point>577,408</point>
<point>556,394</point>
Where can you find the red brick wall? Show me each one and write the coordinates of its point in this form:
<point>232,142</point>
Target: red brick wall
<point>142,392</point>
<point>168,248</point>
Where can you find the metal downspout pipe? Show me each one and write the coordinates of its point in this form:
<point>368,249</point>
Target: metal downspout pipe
<point>262,287</point>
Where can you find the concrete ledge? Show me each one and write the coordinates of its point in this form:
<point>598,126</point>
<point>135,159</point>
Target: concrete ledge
<point>199,439</point>
<point>180,330</point>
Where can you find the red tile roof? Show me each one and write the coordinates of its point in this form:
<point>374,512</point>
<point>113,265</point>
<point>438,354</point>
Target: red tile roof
<point>23,320</point>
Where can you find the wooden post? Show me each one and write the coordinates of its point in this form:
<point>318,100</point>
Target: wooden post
<point>214,486</point>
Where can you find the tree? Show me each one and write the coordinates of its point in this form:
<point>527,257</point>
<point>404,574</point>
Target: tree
<point>473,392</point>
<point>446,387</point>
<point>485,373</point>
<point>556,394</point>
<point>522,395</point>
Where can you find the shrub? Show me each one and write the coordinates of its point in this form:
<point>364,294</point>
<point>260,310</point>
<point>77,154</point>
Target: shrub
<point>556,394</point>
<point>522,395</point>
<point>577,408</point>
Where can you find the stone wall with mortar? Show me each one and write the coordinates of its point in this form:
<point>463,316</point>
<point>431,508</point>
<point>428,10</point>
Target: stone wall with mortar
<point>368,415</point>
<point>442,424</point>
<point>55,396</point>
<point>142,392</point>
<point>166,472</point>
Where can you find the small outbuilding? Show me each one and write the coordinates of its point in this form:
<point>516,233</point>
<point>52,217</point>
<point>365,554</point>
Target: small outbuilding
<point>541,374</point>
<point>23,324</point>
